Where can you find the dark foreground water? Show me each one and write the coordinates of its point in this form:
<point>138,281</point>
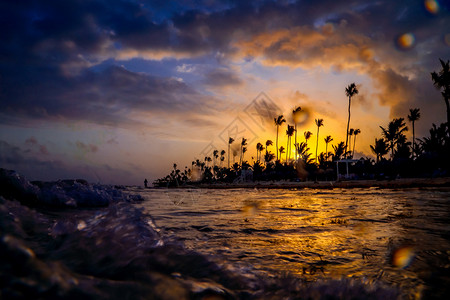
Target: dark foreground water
<point>73,240</point>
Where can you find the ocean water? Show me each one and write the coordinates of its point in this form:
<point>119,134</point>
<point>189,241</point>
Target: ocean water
<point>398,237</point>
<point>74,240</point>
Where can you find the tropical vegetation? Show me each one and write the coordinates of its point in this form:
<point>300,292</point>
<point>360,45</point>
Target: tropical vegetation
<point>394,154</point>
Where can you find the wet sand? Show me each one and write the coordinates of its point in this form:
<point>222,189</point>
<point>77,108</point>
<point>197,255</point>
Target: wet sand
<point>388,184</point>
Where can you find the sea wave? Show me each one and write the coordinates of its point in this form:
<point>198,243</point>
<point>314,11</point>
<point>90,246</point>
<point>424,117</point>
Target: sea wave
<point>71,239</point>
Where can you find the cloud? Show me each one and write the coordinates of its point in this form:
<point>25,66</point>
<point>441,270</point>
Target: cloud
<point>16,158</point>
<point>185,68</point>
<point>397,76</point>
<point>222,77</point>
<point>34,144</point>
<point>51,168</point>
<point>109,97</point>
<point>49,50</point>
<point>86,147</point>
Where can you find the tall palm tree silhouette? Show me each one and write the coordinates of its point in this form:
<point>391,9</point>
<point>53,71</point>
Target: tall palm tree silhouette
<point>327,140</point>
<point>243,144</point>
<point>289,132</point>
<point>414,115</point>
<point>259,149</point>
<point>350,91</point>
<point>230,141</point>
<point>295,115</point>
<point>350,134</point>
<point>355,133</point>
<point>266,157</point>
<point>441,80</point>
<point>307,135</point>
<point>319,123</point>
<point>394,133</point>
<point>380,148</point>
<point>278,122</point>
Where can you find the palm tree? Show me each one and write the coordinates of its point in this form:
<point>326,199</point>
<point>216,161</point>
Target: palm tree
<point>303,152</point>
<point>278,122</point>
<point>243,144</point>
<point>222,157</point>
<point>414,115</point>
<point>394,133</point>
<point>441,80</point>
<point>295,116</point>
<point>319,123</point>
<point>307,135</point>
<point>327,140</point>
<point>380,148</point>
<point>350,91</point>
<point>355,133</point>
<point>215,156</point>
<point>259,149</point>
<point>289,132</point>
<point>281,150</point>
<point>339,150</point>
<point>350,134</point>
<point>268,143</point>
<point>268,157</point>
<point>244,149</point>
<point>230,141</point>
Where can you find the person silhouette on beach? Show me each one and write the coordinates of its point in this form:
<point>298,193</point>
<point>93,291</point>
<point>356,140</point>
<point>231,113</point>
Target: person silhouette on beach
<point>145,182</point>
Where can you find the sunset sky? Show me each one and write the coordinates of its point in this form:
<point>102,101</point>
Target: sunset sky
<point>117,91</point>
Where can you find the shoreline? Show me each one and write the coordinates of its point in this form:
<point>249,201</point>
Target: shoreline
<point>344,184</point>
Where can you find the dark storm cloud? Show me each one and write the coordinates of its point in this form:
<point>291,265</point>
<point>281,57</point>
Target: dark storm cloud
<point>105,97</point>
<point>49,47</point>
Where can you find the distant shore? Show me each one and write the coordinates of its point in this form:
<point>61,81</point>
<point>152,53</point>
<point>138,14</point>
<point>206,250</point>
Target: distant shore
<point>346,184</point>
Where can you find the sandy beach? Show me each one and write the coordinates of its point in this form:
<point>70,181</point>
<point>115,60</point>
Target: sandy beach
<point>443,182</point>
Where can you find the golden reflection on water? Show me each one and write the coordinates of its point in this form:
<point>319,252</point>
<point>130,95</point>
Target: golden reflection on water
<point>316,234</point>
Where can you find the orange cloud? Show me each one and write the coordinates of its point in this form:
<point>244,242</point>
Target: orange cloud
<point>336,48</point>
<point>307,47</point>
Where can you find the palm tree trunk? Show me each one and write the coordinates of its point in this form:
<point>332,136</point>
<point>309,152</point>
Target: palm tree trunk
<point>277,142</point>
<point>295,143</point>
<point>326,151</point>
<point>448,112</point>
<point>348,123</point>
<point>317,142</point>
<point>354,143</point>
<point>414,141</point>
<point>287,149</point>
<point>240,157</point>
<point>392,150</point>
<point>349,144</point>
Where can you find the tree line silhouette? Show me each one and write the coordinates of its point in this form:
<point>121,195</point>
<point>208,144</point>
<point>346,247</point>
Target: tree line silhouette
<point>422,157</point>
